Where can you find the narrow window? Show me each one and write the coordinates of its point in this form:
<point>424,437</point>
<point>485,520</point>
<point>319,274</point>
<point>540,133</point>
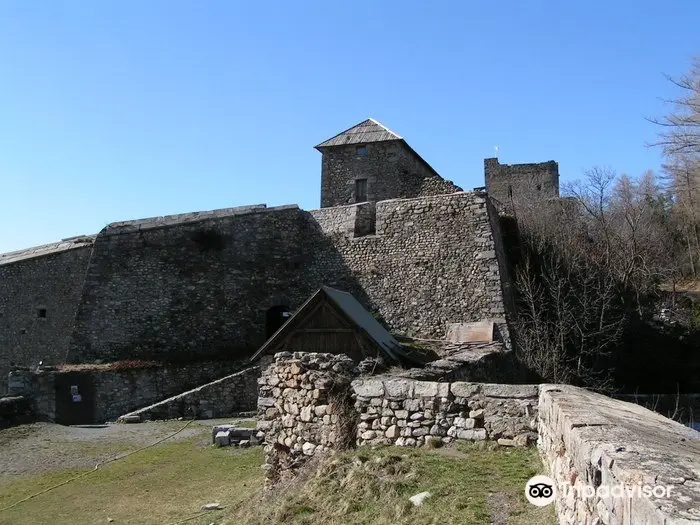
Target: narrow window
<point>361,150</point>
<point>360,190</point>
<point>510,191</point>
<point>41,313</point>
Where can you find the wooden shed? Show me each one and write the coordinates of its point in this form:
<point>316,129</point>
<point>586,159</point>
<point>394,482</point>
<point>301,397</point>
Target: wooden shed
<point>334,322</point>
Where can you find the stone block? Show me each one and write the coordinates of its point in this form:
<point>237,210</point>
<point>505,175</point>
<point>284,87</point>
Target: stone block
<point>431,389</point>
<point>222,438</point>
<point>392,432</point>
<point>510,391</point>
<point>477,434</point>
<point>369,388</point>
<point>398,388</point>
<point>461,389</point>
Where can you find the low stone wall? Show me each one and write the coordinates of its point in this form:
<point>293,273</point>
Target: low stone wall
<point>309,403</point>
<point>590,440</point>
<point>413,413</point>
<point>221,398</point>
<point>114,389</point>
<point>304,408</point>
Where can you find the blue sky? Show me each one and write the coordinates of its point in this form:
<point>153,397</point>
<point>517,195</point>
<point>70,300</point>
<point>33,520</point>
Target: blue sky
<point>116,110</point>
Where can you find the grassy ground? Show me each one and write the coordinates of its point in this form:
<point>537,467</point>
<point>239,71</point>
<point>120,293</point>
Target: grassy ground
<point>167,483</point>
<point>473,484</point>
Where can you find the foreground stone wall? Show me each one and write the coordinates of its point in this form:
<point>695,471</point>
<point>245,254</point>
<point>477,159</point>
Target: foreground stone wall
<point>413,413</point>
<point>224,397</point>
<point>40,290</point>
<point>304,409</point>
<point>309,403</point>
<point>588,439</point>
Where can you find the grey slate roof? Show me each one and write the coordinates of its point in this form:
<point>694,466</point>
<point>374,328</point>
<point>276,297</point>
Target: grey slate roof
<point>367,131</point>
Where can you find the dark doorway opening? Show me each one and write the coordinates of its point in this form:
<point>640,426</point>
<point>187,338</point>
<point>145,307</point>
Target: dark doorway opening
<point>275,318</point>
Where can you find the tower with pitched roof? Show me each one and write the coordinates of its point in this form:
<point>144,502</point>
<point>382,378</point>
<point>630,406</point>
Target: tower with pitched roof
<point>371,163</point>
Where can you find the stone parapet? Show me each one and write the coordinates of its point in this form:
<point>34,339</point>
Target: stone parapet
<point>617,449</point>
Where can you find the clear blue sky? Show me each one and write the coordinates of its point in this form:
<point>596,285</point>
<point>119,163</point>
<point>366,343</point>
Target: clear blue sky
<point>116,110</point>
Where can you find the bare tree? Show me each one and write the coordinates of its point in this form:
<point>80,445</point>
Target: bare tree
<point>681,127</point>
<point>591,263</point>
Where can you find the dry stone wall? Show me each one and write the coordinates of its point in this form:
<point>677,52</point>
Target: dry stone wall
<point>405,412</point>
<point>303,409</point>
<point>309,403</point>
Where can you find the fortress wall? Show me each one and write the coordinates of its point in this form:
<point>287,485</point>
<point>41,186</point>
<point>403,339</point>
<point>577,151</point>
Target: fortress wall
<point>189,290</point>
<point>432,261</point>
<point>200,288</point>
<point>51,281</point>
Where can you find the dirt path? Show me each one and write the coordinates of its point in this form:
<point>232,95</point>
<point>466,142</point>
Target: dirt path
<point>41,447</point>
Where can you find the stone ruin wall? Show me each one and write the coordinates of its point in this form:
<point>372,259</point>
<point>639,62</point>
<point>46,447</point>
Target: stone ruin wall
<point>310,403</point>
<point>582,437</point>
<point>520,182</point>
<point>53,282</point>
<point>224,397</point>
<point>303,409</point>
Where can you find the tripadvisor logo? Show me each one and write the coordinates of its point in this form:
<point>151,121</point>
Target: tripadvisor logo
<point>541,491</point>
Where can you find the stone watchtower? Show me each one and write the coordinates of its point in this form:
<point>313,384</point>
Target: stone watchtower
<point>512,183</point>
<point>370,163</point>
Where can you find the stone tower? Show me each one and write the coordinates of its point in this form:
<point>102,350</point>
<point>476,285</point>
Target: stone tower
<point>510,183</point>
<point>370,163</point>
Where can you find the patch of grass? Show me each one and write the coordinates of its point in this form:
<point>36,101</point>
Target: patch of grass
<point>373,486</point>
<point>162,484</point>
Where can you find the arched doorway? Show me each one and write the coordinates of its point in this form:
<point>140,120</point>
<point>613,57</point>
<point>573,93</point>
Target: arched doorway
<point>275,318</point>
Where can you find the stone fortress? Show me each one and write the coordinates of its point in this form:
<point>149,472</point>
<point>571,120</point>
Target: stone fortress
<point>139,313</point>
<point>210,287</point>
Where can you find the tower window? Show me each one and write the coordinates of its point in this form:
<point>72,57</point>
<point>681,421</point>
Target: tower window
<point>41,313</point>
<point>360,190</point>
<point>361,151</point>
<point>510,191</point>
